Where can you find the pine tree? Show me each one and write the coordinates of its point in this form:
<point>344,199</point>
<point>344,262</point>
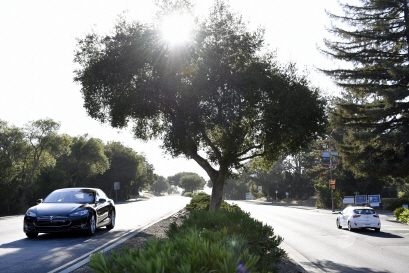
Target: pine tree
<point>375,105</point>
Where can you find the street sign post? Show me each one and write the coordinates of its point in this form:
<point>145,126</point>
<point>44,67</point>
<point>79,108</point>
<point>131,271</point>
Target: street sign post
<point>116,188</point>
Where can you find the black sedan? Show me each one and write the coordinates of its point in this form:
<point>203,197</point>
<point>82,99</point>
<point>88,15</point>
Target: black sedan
<point>71,209</point>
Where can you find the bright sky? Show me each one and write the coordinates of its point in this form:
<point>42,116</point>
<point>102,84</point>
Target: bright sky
<point>38,39</point>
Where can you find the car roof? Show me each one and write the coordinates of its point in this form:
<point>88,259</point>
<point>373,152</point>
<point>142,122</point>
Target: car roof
<point>79,189</point>
<point>360,207</point>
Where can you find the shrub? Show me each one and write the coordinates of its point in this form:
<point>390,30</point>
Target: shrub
<point>200,193</point>
<point>261,239</point>
<point>398,203</point>
<point>202,202</point>
<point>324,197</point>
<point>404,216</point>
<point>188,194</point>
<point>190,251</point>
<point>398,211</point>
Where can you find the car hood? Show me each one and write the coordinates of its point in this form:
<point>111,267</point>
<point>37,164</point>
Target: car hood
<point>63,209</point>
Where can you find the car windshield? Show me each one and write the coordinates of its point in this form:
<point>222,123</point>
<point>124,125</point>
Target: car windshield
<point>364,211</point>
<point>69,197</point>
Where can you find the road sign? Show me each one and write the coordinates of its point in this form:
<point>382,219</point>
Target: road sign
<point>332,182</point>
<point>116,185</point>
<point>348,200</point>
<point>333,187</point>
<point>374,198</point>
<point>361,199</point>
<point>260,188</point>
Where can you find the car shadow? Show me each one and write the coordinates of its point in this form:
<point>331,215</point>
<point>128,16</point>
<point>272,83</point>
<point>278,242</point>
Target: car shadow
<point>379,234</point>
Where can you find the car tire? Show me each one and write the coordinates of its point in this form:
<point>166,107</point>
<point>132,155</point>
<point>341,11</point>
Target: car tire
<point>349,227</point>
<point>112,216</point>
<point>92,226</point>
<point>338,225</point>
<point>377,229</point>
<point>31,235</point>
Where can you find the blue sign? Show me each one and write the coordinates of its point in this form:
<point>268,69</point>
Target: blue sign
<point>374,199</point>
<point>361,199</point>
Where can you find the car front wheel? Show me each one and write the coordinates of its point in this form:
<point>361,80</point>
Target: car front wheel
<point>31,234</point>
<point>338,225</point>
<point>91,225</point>
<point>112,224</point>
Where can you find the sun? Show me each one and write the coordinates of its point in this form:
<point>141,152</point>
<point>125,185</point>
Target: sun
<point>176,28</point>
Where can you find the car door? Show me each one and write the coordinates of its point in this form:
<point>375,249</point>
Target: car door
<point>102,208</point>
<point>344,217</point>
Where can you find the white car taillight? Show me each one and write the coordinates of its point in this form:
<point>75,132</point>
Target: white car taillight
<point>356,216</point>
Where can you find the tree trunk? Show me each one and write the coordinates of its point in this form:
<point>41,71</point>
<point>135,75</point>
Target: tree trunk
<point>217,193</point>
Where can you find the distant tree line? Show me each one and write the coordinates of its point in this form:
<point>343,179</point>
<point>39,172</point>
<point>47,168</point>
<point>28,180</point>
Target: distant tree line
<point>36,159</point>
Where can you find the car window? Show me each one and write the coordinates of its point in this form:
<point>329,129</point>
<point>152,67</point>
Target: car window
<point>69,197</point>
<point>102,194</point>
<point>364,211</point>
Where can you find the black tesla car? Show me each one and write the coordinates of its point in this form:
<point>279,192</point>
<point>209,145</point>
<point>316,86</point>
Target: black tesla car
<point>71,209</point>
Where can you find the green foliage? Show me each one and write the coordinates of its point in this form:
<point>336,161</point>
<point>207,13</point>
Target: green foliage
<point>398,203</point>
<point>398,211</point>
<point>202,202</point>
<point>374,43</point>
<point>260,238</point>
<point>324,197</point>
<point>35,161</point>
<point>191,251</point>
<point>217,93</point>
<point>199,193</point>
<point>404,216</point>
<point>174,180</point>
<point>161,185</point>
<point>192,182</point>
<point>188,194</point>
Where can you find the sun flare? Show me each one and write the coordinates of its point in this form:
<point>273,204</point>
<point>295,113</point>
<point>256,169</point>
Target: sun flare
<point>177,28</point>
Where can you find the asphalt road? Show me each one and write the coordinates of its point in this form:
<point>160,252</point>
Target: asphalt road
<point>313,240</point>
<point>55,252</point>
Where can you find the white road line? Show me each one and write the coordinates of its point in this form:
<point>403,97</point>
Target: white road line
<point>80,261</point>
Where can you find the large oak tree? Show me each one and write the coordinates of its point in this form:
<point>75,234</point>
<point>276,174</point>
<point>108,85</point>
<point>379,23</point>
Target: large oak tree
<point>215,99</point>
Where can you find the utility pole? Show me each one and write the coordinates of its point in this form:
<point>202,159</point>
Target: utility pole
<point>330,170</point>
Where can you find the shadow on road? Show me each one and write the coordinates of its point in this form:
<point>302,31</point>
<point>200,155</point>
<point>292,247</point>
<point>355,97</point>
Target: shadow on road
<point>330,266</point>
<point>380,234</point>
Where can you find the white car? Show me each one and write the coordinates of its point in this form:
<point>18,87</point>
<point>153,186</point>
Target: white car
<point>359,217</point>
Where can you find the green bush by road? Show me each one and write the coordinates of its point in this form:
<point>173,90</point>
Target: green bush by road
<point>224,240</point>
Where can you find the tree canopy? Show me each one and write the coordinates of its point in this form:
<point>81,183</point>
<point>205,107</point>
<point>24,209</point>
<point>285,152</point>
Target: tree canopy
<point>216,98</point>
<point>374,108</point>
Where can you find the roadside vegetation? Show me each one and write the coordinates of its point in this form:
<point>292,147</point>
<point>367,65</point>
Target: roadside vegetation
<point>225,240</point>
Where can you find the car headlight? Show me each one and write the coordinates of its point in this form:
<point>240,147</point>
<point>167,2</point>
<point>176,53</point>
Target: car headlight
<point>30,213</point>
<point>79,213</point>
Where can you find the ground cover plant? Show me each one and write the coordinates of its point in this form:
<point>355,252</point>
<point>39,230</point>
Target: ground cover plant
<point>225,240</point>
<point>260,238</point>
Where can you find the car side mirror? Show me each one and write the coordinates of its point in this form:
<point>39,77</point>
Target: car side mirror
<point>39,201</point>
<point>101,200</point>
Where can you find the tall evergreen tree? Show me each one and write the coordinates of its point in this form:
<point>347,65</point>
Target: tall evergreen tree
<point>375,106</point>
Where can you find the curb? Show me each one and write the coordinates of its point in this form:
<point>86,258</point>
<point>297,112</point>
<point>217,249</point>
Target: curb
<point>301,261</point>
